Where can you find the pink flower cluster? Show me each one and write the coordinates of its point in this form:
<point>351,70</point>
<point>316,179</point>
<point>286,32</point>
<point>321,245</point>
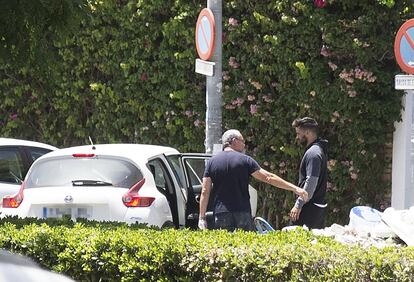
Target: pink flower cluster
<point>282,167</point>
<point>256,84</point>
<point>353,173</point>
<point>226,76</point>
<point>251,97</point>
<point>331,164</point>
<point>233,63</point>
<point>319,3</point>
<point>233,22</point>
<point>357,73</point>
<point>253,109</point>
<point>325,51</point>
<point>335,115</point>
<point>267,98</point>
<point>188,113</point>
<point>364,75</point>
<point>197,123</point>
<point>332,66</point>
<point>331,187</point>
<point>235,103</point>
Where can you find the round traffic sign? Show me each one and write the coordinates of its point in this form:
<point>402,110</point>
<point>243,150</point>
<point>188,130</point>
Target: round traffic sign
<point>404,46</point>
<point>205,34</point>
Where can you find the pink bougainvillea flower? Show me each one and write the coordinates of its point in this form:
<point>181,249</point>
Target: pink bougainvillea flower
<point>13,116</point>
<point>253,109</point>
<point>325,51</point>
<point>319,3</point>
<point>229,107</point>
<point>233,63</point>
<point>354,176</point>
<point>226,76</point>
<point>256,84</point>
<point>238,102</point>
<point>144,76</point>
<point>352,93</point>
<point>233,22</point>
<point>332,66</point>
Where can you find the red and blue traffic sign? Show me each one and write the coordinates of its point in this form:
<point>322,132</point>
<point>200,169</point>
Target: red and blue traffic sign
<point>404,47</point>
<point>205,34</point>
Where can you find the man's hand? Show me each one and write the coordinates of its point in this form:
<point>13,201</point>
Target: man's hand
<point>294,213</point>
<point>302,193</point>
<point>202,224</point>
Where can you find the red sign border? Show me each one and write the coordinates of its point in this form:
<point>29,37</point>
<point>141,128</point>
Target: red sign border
<point>401,32</point>
<point>210,17</point>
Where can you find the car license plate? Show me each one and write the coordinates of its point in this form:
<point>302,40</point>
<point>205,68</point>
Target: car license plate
<point>72,212</point>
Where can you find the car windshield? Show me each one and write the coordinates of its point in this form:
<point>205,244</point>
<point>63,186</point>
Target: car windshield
<point>102,172</point>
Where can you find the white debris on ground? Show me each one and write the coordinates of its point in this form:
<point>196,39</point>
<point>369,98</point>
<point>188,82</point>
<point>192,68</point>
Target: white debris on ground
<point>349,235</point>
<point>369,227</point>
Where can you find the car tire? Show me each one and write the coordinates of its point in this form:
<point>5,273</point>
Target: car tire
<point>168,224</point>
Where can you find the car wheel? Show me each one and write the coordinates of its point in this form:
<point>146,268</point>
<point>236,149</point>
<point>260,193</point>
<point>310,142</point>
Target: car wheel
<point>168,224</point>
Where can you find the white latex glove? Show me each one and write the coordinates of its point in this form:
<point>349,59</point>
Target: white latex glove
<point>202,224</point>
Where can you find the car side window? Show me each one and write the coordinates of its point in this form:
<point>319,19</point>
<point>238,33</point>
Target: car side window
<point>35,153</point>
<point>195,170</point>
<point>160,174</point>
<point>11,166</point>
<point>177,168</point>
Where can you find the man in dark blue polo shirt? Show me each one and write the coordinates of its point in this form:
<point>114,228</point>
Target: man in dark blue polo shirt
<point>230,172</point>
<point>313,175</point>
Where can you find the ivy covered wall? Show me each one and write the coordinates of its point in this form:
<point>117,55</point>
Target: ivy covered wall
<point>128,76</point>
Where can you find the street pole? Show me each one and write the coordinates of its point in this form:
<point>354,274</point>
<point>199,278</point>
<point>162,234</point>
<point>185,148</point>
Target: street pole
<point>214,85</point>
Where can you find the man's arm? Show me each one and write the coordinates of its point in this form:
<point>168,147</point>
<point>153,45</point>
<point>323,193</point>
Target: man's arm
<point>205,195</point>
<point>313,170</point>
<point>273,179</point>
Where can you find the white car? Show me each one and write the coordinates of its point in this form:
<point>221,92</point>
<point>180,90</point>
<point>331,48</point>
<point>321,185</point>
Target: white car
<point>16,157</point>
<point>129,183</point>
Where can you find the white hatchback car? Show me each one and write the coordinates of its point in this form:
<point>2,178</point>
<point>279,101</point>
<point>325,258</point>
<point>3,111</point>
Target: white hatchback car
<point>16,157</point>
<point>129,183</point>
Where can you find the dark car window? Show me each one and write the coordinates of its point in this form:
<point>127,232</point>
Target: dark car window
<point>35,153</point>
<point>11,166</point>
<point>162,181</point>
<point>195,170</point>
<point>177,168</point>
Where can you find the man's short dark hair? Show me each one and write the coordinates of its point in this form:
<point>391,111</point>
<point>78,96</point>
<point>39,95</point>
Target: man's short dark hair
<point>306,123</point>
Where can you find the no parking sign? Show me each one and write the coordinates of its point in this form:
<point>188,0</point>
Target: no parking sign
<point>404,47</point>
<point>205,34</point>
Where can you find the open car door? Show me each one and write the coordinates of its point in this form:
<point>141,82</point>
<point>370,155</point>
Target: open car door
<point>193,166</point>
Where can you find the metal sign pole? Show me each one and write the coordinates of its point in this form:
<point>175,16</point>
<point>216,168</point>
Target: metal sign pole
<point>214,85</point>
<point>402,196</point>
<point>403,156</point>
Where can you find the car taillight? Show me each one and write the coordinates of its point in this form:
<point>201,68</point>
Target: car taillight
<point>83,155</point>
<point>14,201</point>
<point>132,199</point>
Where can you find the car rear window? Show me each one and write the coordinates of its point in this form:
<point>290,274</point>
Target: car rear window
<point>105,172</point>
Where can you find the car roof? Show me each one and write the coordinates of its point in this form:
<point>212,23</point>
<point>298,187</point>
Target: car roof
<point>20,142</point>
<point>123,150</point>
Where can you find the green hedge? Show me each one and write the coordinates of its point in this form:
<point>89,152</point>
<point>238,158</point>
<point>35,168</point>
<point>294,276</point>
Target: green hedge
<point>128,76</point>
<point>114,252</point>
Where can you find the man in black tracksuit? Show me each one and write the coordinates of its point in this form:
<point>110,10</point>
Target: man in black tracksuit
<point>313,175</point>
